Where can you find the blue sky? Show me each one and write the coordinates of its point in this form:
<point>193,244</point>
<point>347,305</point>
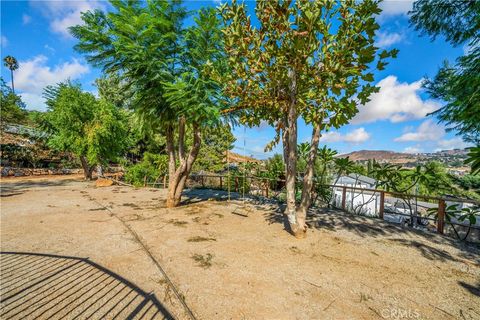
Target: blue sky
<point>35,32</point>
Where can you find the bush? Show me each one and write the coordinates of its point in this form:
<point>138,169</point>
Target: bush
<point>151,168</point>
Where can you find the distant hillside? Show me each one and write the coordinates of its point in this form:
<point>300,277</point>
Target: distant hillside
<point>237,158</point>
<point>379,155</point>
<point>451,158</point>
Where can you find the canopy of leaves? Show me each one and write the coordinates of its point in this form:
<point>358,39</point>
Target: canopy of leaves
<point>457,85</point>
<point>216,142</point>
<point>82,125</point>
<point>328,45</point>
<point>13,109</point>
<point>165,65</point>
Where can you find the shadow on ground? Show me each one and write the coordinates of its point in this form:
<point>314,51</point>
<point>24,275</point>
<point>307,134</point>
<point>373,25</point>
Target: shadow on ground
<point>55,287</point>
<point>428,244</point>
<point>10,189</point>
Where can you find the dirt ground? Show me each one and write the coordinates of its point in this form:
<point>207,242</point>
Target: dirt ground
<point>96,264</point>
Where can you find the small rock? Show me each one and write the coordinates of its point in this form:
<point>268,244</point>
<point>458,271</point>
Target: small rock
<point>103,182</point>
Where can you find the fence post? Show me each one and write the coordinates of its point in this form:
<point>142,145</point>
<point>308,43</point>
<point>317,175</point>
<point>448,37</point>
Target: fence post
<point>221,182</point>
<point>344,197</point>
<point>382,205</point>
<point>203,181</point>
<point>145,181</point>
<point>441,216</point>
<point>236,184</point>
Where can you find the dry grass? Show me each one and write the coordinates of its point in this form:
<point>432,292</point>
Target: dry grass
<point>204,261</point>
<point>200,239</point>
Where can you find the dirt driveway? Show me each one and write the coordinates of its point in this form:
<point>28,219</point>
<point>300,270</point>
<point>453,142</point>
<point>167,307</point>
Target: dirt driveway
<point>99,247</point>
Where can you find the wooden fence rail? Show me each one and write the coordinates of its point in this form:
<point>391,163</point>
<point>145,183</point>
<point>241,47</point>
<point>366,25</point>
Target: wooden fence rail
<point>265,188</point>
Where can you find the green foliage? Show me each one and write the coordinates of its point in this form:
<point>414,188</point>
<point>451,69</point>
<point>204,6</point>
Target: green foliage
<point>149,170</point>
<point>313,54</point>
<point>114,90</point>
<point>430,179</point>
<point>455,84</point>
<point>13,108</point>
<point>474,159</point>
<point>343,166</point>
<point>11,63</point>
<point>275,167</point>
<point>141,42</point>
<point>469,182</point>
<point>194,93</point>
<point>216,141</point>
<point>456,20</point>
<point>80,124</point>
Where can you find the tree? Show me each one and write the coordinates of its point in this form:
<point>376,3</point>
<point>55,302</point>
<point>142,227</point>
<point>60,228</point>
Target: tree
<point>94,130</point>
<point>308,59</point>
<point>166,66</point>
<point>13,108</point>
<point>457,85</point>
<point>343,166</point>
<point>12,64</point>
<point>474,159</point>
<point>216,142</point>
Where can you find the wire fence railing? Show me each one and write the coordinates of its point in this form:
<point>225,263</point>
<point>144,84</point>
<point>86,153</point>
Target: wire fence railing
<point>417,211</point>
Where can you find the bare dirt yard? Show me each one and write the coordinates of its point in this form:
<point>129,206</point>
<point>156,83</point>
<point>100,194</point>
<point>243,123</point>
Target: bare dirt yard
<point>73,251</point>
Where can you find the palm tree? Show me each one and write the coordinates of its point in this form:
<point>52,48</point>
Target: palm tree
<point>343,166</point>
<point>303,150</point>
<point>12,64</point>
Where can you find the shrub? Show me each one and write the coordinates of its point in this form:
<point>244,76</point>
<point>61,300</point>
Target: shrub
<point>150,169</point>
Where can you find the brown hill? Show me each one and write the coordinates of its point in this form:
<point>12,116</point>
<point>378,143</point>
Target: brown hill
<point>237,158</point>
<point>379,155</point>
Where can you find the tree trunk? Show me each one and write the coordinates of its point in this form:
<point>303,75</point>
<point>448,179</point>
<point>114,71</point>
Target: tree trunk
<point>87,172</point>
<point>308,180</point>
<point>290,155</point>
<point>13,87</point>
<point>171,154</point>
<point>180,176</point>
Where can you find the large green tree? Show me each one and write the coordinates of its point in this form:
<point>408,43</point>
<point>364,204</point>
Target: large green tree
<point>165,65</point>
<point>457,85</point>
<point>94,130</point>
<point>13,108</point>
<point>308,59</point>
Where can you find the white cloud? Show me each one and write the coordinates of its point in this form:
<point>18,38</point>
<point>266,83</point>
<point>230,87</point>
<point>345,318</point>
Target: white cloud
<point>26,19</point>
<point>64,14</point>
<point>449,144</point>
<point>386,39</point>
<point>396,102</point>
<point>413,149</point>
<point>428,130</point>
<point>52,50</point>
<point>34,75</point>
<point>4,41</point>
<point>356,136</point>
<point>395,7</point>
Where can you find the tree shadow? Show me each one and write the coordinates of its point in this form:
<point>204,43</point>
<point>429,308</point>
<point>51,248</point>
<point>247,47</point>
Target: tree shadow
<point>335,220</point>
<point>426,250</point>
<point>475,290</point>
<point>18,187</point>
<point>197,195</point>
<point>35,285</point>
<point>428,244</point>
